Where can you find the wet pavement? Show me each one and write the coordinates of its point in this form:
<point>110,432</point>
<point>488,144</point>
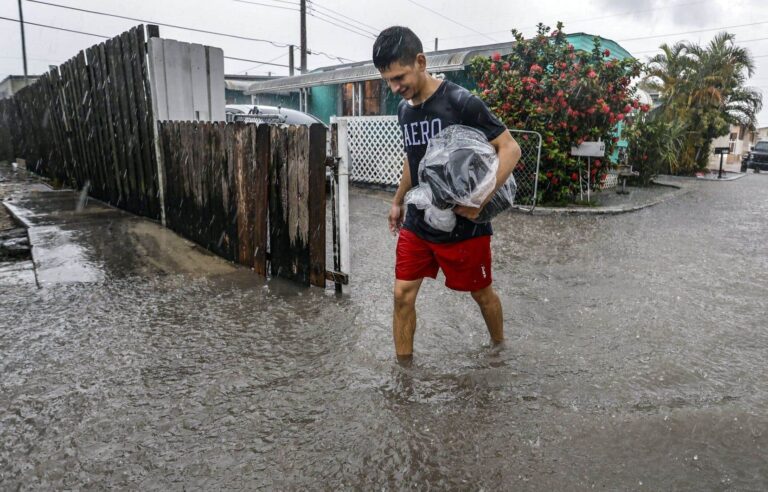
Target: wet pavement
<point>635,360</point>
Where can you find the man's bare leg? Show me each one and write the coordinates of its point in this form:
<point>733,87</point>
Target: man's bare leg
<point>404,317</point>
<point>490,306</point>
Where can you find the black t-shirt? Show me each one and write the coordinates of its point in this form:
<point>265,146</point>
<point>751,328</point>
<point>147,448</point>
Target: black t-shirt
<point>449,105</point>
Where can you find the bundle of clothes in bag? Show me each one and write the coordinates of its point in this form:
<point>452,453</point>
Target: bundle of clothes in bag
<point>459,168</point>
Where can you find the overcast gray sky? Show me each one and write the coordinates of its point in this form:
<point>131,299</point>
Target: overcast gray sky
<point>346,28</point>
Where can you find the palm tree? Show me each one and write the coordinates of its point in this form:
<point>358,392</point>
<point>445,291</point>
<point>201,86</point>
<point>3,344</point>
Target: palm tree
<point>704,88</point>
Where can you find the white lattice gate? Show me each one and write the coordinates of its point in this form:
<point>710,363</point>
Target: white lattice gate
<point>376,154</point>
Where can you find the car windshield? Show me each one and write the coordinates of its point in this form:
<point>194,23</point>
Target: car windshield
<point>761,147</point>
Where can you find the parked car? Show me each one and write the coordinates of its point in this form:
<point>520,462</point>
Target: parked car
<point>757,158</point>
<point>269,114</point>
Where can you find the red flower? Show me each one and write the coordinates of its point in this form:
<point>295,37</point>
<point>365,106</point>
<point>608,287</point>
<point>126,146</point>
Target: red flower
<point>607,53</point>
<point>511,89</point>
<point>535,68</point>
<point>496,57</point>
<point>605,108</point>
<point>591,74</point>
<point>486,92</point>
<point>506,107</point>
<point>555,181</point>
<point>505,66</point>
<point>608,65</point>
<point>570,47</point>
<point>575,177</point>
<point>620,116</point>
<point>627,108</point>
<point>645,108</point>
<point>550,139</point>
<point>591,110</point>
<point>635,103</point>
<point>549,174</point>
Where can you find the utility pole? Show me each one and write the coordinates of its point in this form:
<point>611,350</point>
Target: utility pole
<point>303,36</point>
<point>290,60</point>
<point>23,42</point>
<point>435,44</point>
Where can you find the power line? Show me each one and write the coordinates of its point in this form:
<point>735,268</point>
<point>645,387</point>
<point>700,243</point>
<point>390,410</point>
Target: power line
<point>108,37</point>
<point>330,56</point>
<point>735,42</point>
<point>255,61</point>
<point>56,28</point>
<point>693,32</point>
<point>261,64</point>
<point>568,22</point>
<point>353,26</point>
<point>317,5</point>
<point>339,58</point>
<point>455,22</point>
<point>343,22</point>
<point>173,26</point>
<point>340,26</point>
<point>267,5</point>
<point>641,11</point>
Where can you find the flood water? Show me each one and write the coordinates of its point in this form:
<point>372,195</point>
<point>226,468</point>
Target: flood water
<point>635,360</point>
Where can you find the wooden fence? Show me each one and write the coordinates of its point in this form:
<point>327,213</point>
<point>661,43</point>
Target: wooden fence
<point>91,120</point>
<point>252,194</point>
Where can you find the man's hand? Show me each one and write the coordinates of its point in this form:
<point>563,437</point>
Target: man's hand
<point>396,214</point>
<point>470,213</point>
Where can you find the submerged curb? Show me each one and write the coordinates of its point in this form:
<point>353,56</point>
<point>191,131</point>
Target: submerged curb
<point>612,210</point>
<point>732,178</point>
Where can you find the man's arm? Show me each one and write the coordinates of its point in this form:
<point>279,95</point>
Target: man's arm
<point>397,211</point>
<point>509,154</point>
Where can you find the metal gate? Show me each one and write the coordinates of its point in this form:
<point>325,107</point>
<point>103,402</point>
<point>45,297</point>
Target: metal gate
<point>376,154</point>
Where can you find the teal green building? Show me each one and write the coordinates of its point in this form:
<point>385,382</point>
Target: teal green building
<point>356,89</point>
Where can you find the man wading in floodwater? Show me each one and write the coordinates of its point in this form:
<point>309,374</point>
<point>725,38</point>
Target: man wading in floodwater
<point>464,254</point>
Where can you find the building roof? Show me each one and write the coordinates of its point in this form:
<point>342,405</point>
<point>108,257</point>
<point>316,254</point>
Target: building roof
<point>437,61</point>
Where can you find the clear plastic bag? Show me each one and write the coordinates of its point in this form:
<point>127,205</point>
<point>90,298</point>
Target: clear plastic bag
<point>459,168</point>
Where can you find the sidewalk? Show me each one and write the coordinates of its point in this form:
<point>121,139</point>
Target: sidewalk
<point>95,241</point>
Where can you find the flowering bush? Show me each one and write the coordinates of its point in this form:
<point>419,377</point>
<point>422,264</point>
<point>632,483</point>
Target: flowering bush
<point>568,96</point>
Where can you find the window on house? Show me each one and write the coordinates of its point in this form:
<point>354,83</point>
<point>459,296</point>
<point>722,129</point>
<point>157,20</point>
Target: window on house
<point>371,98</point>
<point>348,108</point>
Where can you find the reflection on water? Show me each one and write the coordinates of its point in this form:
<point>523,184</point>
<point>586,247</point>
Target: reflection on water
<point>635,358</point>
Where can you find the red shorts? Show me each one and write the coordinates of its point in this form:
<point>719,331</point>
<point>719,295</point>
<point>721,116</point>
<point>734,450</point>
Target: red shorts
<point>466,264</point>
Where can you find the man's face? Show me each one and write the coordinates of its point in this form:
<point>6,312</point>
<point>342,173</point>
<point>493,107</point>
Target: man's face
<point>404,80</point>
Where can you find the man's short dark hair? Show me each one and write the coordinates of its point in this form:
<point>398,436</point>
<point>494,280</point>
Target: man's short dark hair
<point>396,44</point>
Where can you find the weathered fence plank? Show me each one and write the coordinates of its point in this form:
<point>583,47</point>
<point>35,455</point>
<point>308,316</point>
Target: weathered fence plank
<point>317,139</point>
<point>260,198</point>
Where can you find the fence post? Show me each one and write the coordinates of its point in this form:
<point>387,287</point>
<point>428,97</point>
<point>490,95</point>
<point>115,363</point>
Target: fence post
<point>343,148</point>
<point>157,82</point>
